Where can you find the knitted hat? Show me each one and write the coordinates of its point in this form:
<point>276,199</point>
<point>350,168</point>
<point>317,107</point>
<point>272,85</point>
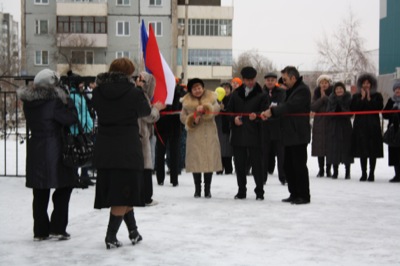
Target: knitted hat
<point>46,78</point>
<point>396,84</point>
<point>237,80</point>
<point>324,77</point>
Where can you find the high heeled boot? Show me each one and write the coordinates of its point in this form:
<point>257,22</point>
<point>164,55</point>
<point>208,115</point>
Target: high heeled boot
<point>130,221</point>
<point>207,185</point>
<point>321,167</point>
<point>197,184</point>
<point>112,230</point>
<point>335,171</point>
<point>347,175</point>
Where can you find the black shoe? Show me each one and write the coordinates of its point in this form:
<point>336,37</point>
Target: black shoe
<point>371,178</point>
<point>161,183</point>
<point>328,173</point>
<point>240,196</point>
<point>197,195</point>
<point>334,176</point>
<point>363,178</point>
<point>260,198</point>
<point>395,180</point>
<point>175,184</point>
<point>87,182</point>
<point>135,237</point>
<point>112,243</point>
<point>347,176</point>
<point>63,236</point>
<point>208,195</point>
<point>220,172</point>
<point>40,238</point>
<point>289,200</point>
<point>320,173</point>
<point>283,181</point>
<point>299,201</point>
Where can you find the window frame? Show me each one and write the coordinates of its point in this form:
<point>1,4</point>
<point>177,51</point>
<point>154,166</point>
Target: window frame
<point>123,3</point>
<point>85,57</point>
<point>124,23</point>
<point>155,4</point>
<point>38,27</point>
<point>41,58</point>
<point>156,28</point>
<point>123,54</point>
<point>40,2</point>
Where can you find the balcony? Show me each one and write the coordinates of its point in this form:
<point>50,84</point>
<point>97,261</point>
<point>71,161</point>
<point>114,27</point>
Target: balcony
<point>85,8</point>
<point>81,40</point>
<point>83,70</point>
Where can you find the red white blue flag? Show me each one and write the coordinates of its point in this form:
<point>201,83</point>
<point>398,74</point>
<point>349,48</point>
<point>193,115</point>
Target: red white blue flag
<point>157,66</point>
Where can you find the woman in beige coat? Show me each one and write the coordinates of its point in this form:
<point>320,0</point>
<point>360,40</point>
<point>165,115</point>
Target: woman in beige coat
<point>146,131</point>
<point>203,154</point>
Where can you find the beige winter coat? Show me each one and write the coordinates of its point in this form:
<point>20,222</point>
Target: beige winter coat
<point>146,128</point>
<point>203,154</point>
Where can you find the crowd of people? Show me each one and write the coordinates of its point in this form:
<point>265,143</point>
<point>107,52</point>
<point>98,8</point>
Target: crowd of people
<point>240,133</point>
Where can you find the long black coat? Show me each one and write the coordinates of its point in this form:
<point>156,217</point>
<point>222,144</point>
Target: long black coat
<point>249,133</point>
<point>366,138</point>
<point>47,111</point>
<point>271,128</point>
<point>318,105</point>
<point>338,131</point>
<point>296,129</point>
<point>393,152</point>
<point>118,104</point>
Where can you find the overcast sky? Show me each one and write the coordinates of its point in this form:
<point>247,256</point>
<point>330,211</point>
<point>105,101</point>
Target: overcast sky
<point>286,31</point>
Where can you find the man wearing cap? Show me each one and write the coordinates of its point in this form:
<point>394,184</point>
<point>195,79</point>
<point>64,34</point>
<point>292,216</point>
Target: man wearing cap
<point>296,134</point>
<point>271,130</point>
<point>246,102</point>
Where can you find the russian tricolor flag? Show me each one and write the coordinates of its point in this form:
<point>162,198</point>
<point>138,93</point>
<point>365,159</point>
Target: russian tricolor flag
<point>158,67</point>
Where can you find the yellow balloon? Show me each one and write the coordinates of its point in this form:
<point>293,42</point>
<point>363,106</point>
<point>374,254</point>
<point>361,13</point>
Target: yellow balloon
<point>220,93</point>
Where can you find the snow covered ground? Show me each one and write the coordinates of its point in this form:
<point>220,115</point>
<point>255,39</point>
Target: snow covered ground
<point>347,223</point>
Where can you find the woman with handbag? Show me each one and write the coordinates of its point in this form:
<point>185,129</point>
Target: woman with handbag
<point>118,155</point>
<point>48,109</point>
<point>394,120</point>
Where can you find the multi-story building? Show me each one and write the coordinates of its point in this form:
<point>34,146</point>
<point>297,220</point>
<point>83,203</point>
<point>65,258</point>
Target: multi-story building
<point>86,35</point>
<point>9,56</point>
<point>389,37</point>
<point>205,49</point>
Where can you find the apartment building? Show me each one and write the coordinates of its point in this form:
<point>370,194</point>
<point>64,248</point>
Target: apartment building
<point>9,56</point>
<point>86,35</point>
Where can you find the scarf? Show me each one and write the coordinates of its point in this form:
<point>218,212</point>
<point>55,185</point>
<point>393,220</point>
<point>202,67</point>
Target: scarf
<point>396,100</point>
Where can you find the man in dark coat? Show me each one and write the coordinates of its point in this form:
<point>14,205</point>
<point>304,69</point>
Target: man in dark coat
<point>245,131</point>
<point>296,134</point>
<point>168,131</point>
<point>271,130</point>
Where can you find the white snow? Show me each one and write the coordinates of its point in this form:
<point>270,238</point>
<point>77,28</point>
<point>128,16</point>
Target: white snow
<point>347,223</point>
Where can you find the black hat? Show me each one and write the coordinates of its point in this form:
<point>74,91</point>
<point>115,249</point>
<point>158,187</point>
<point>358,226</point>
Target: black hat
<point>248,72</point>
<point>271,75</point>
<point>192,82</point>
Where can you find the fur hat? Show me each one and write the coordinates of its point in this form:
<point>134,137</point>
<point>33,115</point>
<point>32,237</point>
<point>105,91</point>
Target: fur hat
<point>46,78</point>
<point>324,77</point>
<point>192,82</point>
<point>371,78</point>
<point>248,72</point>
<point>339,84</point>
<point>396,84</point>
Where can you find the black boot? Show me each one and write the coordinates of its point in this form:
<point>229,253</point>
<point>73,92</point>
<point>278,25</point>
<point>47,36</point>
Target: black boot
<point>130,221</point>
<point>335,171</point>
<point>328,171</point>
<point>347,176</point>
<point>207,185</point>
<point>363,162</point>
<point>372,164</point>
<point>321,167</point>
<point>197,184</point>
<point>112,230</point>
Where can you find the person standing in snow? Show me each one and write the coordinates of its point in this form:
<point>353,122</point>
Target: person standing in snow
<point>48,109</point>
<point>203,154</point>
<point>118,155</point>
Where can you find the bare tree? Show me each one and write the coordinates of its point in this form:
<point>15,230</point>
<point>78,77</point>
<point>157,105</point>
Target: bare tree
<point>65,43</point>
<point>252,58</point>
<point>343,51</point>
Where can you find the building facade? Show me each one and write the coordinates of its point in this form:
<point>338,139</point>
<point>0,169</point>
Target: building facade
<point>389,37</point>
<point>86,35</point>
<point>9,55</point>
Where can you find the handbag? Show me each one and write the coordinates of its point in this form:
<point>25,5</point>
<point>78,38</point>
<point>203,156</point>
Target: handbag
<point>77,149</point>
<point>392,136</point>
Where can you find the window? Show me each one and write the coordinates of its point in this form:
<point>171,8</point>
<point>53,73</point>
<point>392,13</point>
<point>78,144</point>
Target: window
<point>41,2</point>
<point>41,27</point>
<point>81,24</point>
<point>41,58</point>
<point>208,27</point>
<point>122,28</point>
<point>82,57</point>
<point>157,28</point>
<point>211,57</point>
<point>123,2</point>
<point>123,54</point>
<point>155,2</point>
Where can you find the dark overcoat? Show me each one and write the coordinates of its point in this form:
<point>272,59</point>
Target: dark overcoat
<point>318,105</point>
<point>47,111</point>
<point>295,114</point>
<point>394,118</point>
<point>118,104</point>
<point>366,138</point>
<point>271,128</point>
<point>249,133</point>
<point>338,131</point>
